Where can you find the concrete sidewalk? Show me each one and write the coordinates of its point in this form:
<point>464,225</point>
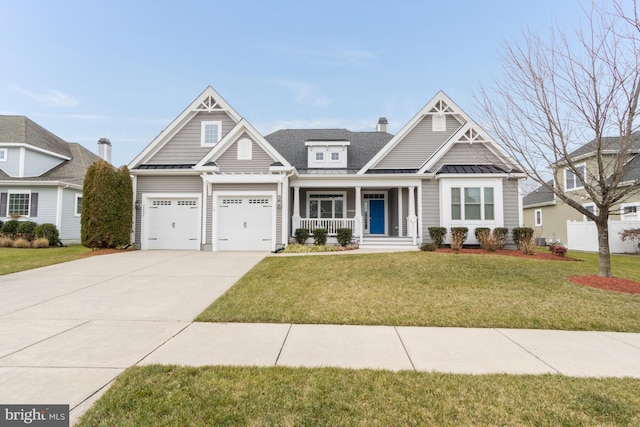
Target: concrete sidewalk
<point>455,350</point>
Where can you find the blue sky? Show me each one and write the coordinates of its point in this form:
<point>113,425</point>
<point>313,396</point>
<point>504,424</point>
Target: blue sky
<point>125,69</point>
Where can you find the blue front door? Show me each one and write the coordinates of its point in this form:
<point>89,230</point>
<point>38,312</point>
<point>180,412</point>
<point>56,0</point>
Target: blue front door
<point>376,216</point>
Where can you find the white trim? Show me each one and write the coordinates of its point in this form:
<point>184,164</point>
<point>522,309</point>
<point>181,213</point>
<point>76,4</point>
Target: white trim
<point>243,178</point>
<point>59,201</point>
<point>341,193</point>
<point>400,227</point>
<point>242,193</point>
<point>419,214</point>
<point>34,148</point>
<point>537,220</point>
<point>244,149</point>
<point>9,193</point>
<point>439,125</point>
<point>75,206</point>
<point>342,143</point>
<point>144,232</point>
<point>440,96</point>
<point>22,155</point>
<point>4,154</point>
<point>203,132</point>
<point>179,122</point>
<point>340,181</point>
<point>589,205</point>
<point>24,183</point>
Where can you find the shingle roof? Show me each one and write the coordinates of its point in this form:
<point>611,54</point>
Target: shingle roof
<point>20,129</point>
<point>363,145</point>
<point>609,143</point>
<point>178,166</point>
<point>631,170</point>
<point>538,196</point>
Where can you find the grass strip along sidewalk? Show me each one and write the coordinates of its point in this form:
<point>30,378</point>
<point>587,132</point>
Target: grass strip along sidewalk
<point>231,396</point>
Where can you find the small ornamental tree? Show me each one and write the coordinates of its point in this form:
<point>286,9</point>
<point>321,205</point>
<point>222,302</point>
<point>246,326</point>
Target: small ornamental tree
<point>107,204</point>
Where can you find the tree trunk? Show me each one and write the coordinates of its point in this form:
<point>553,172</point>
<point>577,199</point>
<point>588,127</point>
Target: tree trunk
<point>604,255</point>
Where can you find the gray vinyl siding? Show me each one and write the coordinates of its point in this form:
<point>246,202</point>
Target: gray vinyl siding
<point>12,166</point>
<point>244,188</point>
<point>418,145</point>
<point>184,147</point>
<point>70,224</point>
<point>430,207</point>
<point>35,163</point>
<point>465,153</point>
<point>47,203</point>
<point>510,197</point>
<point>164,184</point>
<point>260,160</point>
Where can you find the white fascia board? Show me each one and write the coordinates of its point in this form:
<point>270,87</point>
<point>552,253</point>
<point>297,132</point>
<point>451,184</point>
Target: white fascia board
<point>242,178</point>
<point>327,143</point>
<point>21,183</point>
<point>34,148</point>
<point>539,205</point>
<point>163,172</point>
<point>356,181</point>
<point>177,124</point>
<point>440,96</point>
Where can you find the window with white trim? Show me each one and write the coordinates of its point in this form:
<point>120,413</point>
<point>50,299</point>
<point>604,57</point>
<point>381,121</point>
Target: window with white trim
<point>629,211</point>
<point>18,204</point>
<point>210,133</point>
<point>77,210</point>
<point>572,181</point>
<point>472,203</point>
<point>335,156</point>
<point>244,149</point>
<point>538,217</point>
<point>327,206</point>
<point>3,154</point>
<point>591,207</point>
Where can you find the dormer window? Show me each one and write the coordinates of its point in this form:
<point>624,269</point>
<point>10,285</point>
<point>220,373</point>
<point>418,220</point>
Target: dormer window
<point>211,132</point>
<point>3,154</point>
<point>327,154</point>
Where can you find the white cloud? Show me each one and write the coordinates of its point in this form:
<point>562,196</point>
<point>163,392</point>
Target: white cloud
<point>49,97</point>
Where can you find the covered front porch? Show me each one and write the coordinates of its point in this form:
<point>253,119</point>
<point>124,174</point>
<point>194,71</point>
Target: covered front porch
<point>378,215</point>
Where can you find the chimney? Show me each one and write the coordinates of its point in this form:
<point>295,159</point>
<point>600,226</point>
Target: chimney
<point>383,125</point>
<point>104,149</point>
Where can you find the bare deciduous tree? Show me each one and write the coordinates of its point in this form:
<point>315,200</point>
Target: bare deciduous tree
<point>557,94</point>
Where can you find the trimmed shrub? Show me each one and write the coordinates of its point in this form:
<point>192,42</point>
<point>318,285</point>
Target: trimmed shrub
<point>107,204</point>
<point>488,241</point>
<point>437,235</point>
<point>21,243</point>
<point>344,236</point>
<point>48,231</point>
<point>523,236</point>
<point>11,226</point>
<point>319,236</point>
<point>26,227</point>
<point>458,236</point>
<point>41,242</point>
<point>501,234</point>
<point>479,230</point>
<point>428,247</point>
<point>301,235</point>
<point>6,242</point>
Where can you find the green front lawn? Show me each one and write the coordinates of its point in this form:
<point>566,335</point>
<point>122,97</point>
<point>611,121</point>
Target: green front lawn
<point>430,289</point>
<point>13,260</point>
<point>233,396</point>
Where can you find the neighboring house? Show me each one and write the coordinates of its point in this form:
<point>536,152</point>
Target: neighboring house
<point>41,176</point>
<point>211,181</point>
<point>548,215</point>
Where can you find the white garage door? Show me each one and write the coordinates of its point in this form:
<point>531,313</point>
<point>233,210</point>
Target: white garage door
<point>244,223</point>
<point>173,223</point>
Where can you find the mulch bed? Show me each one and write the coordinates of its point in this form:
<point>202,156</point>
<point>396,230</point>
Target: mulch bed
<point>609,283</point>
<point>548,256</point>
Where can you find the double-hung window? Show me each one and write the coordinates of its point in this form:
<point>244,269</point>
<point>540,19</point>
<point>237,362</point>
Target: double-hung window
<point>573,181</point>
<point>472,203</point>
<point>19,204</point>
<point>538,219</point>
<point>326,206</point>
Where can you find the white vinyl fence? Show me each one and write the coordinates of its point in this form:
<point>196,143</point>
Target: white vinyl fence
<point>583,236</point>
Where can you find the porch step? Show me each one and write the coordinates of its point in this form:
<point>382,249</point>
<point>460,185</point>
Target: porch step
<point>376,242</point>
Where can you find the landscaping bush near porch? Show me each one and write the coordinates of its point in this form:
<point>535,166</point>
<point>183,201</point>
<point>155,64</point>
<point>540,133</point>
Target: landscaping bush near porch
<point>430,289</point>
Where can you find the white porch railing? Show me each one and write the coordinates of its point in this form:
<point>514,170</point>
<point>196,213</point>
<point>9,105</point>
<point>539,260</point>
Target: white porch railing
<point>330,224</point>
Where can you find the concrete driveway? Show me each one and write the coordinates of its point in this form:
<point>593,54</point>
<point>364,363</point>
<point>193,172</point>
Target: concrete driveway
<point>66,331</point>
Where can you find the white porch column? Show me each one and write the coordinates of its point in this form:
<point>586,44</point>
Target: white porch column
<point>400,228</point>
<point>412,219</point>
<point>358,218</point>
<point>295,221</point>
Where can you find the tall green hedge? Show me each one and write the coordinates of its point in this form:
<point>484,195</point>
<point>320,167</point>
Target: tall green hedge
<point>107,206</point>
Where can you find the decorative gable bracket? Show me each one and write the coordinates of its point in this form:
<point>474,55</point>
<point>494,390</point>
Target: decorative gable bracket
<point>209,104</point>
